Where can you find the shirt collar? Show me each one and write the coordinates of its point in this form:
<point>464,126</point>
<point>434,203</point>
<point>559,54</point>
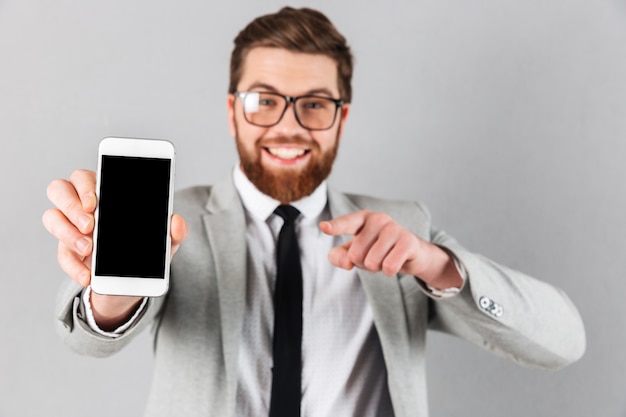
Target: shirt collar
<point>262,206</point>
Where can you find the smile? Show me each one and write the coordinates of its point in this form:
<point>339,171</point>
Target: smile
<point>287,153</point>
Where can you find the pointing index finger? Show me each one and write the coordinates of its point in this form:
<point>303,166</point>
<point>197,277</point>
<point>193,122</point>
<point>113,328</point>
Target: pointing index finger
<point>349,224</point>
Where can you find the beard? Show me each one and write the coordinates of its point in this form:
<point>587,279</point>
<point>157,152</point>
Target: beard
<point>287,185</point>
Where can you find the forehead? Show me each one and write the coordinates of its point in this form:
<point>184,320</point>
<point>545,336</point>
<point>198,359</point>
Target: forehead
<point>291,73</point>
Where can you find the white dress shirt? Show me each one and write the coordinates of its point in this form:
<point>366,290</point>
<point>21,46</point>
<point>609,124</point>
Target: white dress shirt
<point>343,371</point>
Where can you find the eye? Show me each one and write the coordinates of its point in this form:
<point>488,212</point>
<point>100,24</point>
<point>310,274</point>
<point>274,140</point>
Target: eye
<point>314,103</point>
<point>267,102</point>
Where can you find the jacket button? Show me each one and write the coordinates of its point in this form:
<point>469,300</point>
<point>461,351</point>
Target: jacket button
<point>491,307</point>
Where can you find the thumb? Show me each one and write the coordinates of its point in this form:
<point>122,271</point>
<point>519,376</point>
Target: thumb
<point>179,232</point>
<point>327,227</point>
<point>338,256</point>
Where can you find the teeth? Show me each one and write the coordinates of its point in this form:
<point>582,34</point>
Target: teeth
<point>286,153</point>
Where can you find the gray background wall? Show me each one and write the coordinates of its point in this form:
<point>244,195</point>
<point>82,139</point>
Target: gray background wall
<point>508,119</point>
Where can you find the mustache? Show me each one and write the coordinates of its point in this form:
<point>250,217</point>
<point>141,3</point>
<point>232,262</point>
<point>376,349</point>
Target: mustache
<point>288,140</point>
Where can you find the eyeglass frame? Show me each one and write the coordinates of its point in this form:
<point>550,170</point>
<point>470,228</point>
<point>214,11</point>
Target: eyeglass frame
<point>290,100</point>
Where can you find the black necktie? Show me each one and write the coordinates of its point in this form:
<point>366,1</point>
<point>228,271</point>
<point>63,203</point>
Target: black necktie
<point>287,345</point>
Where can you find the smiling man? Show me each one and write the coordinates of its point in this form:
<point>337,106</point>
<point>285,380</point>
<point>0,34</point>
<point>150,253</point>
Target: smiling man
<point>287,121</point>
<point>289,298</point>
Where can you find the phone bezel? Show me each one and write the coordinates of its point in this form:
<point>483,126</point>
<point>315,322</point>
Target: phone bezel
<point>134,286</point>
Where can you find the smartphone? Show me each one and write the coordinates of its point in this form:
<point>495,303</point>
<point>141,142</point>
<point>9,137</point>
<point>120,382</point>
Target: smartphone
<point>131,238</point>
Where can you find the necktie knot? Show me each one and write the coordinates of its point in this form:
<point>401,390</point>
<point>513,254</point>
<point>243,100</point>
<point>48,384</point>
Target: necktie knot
<point>288,213</point>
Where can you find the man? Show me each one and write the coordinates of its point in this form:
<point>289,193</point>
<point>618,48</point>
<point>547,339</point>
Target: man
<point>365,301</point>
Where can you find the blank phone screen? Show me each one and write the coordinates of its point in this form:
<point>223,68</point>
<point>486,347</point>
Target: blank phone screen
<point>133,217</point>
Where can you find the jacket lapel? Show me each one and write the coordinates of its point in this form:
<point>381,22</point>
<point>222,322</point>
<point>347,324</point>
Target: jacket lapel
<point>385,298</point>
<point>383,292</point>
<point>225,228</point>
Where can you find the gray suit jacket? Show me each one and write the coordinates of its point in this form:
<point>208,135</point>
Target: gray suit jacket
<point>197,325</point>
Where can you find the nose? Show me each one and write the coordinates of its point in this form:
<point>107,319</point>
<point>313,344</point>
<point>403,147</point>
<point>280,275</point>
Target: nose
<point>288,124</point>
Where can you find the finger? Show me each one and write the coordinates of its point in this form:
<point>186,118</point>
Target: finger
<point>73,265</point>
<point>338,256</point>
<point>84,182</point>
<point>379,232</point>
<point>376,256</point>
<point>386,236</point>
<point>63,195</point>
<point>394,261</point>
<point>60,227</point>
<point>405,257</point>
<point>348,224</point>
<point>179,231</point>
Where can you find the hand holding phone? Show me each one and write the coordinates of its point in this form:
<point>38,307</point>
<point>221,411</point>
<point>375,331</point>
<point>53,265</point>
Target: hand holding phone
<point>131,239</point>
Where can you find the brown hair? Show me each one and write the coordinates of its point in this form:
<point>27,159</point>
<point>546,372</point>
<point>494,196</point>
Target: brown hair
<point>298,30</point>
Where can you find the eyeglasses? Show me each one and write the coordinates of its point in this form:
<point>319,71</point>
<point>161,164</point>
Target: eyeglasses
<point>267,109</point>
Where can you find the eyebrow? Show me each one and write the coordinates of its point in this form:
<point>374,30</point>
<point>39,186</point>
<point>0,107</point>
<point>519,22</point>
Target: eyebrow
<point>272,89</point>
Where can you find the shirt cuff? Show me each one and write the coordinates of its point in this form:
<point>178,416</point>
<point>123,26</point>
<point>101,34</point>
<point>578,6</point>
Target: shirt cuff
<point>446,292</point>
<point>91,321</point>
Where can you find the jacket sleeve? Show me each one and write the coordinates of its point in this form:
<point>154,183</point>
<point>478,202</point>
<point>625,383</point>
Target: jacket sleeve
<point>505,311</point>
<point>76,333</point>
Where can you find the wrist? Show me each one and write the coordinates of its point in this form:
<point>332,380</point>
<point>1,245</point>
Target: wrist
<point>111,311</point>
<point>442,272</point>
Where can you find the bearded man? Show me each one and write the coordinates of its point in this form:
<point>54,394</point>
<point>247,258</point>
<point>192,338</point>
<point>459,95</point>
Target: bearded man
<point>346,334</point>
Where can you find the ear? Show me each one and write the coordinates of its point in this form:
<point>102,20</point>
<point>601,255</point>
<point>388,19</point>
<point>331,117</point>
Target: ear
<point>345,110</point>
<point>230,105</point>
